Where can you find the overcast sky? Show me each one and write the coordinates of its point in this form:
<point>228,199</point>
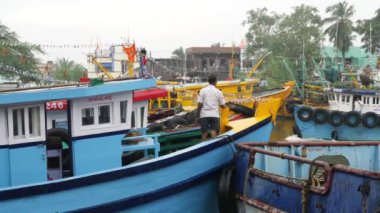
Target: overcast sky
<point>158,25</point>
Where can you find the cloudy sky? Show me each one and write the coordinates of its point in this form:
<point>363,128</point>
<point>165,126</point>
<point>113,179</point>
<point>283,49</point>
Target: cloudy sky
<point>158,25</point>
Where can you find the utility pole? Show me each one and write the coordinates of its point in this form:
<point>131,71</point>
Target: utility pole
<point>370,43</point>
<point>303,65</point>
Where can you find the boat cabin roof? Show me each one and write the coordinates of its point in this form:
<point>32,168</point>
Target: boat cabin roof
<point>355,91</point>
<point>73,92</point>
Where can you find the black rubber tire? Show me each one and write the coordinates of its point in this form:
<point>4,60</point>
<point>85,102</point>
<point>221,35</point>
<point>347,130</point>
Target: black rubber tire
<point>226,197</point>
<point>305,113</point>
<point>367,117</point>
<point>320,116</point>
<point>336,118</point>
<point>335,135</point>
<point>297,131</point>
<point>352,119</point>
<point>57,135</point>
<point>237,108</point>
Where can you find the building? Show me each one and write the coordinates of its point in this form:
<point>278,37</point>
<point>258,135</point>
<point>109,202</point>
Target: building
<point>357,57</point>
<point>46,68</point>
<point>211,59</point>
<point>113,59</point>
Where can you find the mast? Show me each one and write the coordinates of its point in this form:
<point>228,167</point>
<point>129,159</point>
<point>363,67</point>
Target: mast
<point>370,43</point>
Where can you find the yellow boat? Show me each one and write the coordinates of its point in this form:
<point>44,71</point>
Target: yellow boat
<point>238,93</point>
<point>185,95</point>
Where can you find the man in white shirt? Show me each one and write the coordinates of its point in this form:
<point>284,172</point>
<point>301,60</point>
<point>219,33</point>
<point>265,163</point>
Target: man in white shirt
<point>209,100</point>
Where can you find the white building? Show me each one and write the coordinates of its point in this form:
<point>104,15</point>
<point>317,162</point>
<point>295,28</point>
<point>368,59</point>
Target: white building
<point>114,59</point>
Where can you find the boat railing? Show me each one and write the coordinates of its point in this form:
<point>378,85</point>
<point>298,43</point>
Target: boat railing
<point>142,143</point>
<point>317,169</point>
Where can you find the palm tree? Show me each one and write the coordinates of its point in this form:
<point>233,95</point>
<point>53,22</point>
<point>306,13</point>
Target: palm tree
<point>64,69</point>
<point>341,26</point>
<point>179,54</point>
<point>17,58</point>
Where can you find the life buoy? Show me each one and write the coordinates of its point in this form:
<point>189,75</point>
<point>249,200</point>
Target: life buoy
<point>305,113</point>
<point>226,198</point>
<point>320,116</point>
<point>370,120</point>
<point>352,119</point>
<point>335,118</point>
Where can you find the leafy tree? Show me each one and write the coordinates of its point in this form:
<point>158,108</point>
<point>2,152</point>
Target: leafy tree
<point>363,28</point>
<point>64,69</point>
<point>17,58</point>
<point>286,36</point>
<point>340,30</point>
<point>262,26</point>
<point>179,54</point>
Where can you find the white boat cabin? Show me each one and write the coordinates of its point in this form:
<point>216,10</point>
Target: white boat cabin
<point>354,100</point>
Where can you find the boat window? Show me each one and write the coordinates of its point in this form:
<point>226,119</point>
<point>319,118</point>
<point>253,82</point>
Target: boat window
<point>164,104</point>
<point>343,98</point>
<point>348,99</point>
<point>24,122</point>
<point>337,97</point>
<point>366,100</point>
<point>34,121</point>
<point>239,88</point>
<point>87,116</point>
<point>377,100</point>
<point>6,121</point>
<point>133,123</point>
<point>18,123</point>
<point>142,112</point>
<point>123,111</point>
<point>373,100</point>
<point>248,88</point>
<point>104,114</point>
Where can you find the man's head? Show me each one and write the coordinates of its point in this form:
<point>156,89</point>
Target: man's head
<point>212,79</point>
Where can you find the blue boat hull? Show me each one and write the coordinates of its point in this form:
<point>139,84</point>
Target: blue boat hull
<point>186,179</point>
<point>279,180</point>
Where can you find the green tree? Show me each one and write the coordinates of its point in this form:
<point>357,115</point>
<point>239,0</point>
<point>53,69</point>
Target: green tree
<point>65,69</point>
<point>363,29</point>
<point>18,58</point>
<point>341,26</point>
<point>262,26</point>
<point>286,36</point>
<point>179,54</point>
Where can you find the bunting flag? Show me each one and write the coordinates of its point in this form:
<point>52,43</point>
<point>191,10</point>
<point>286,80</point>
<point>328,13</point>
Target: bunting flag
<point>64,46</point>
<point>131,52</point>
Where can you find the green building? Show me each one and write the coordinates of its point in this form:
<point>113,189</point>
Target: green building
<point>356,56</point>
